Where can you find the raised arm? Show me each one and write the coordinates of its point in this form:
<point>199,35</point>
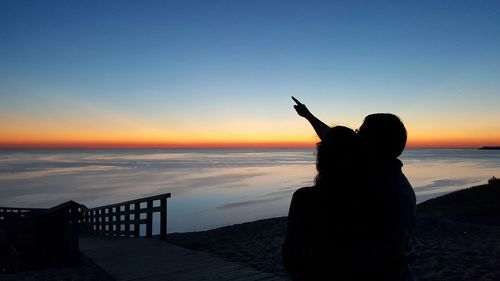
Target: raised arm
<point>319,127</point>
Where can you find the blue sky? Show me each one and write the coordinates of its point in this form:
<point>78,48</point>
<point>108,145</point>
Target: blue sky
<point>196,68</point>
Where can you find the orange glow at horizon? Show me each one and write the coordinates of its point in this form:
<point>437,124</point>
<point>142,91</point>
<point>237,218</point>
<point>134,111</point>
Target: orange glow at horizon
<point>111,145</point>
<point>304,143</point>
<point>43,132</point>
<point>464,139</point>
<point>156,141</point>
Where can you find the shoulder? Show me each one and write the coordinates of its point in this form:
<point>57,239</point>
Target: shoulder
<point>304,192</point>
<point>303,195</point>
<point>393,182</point>
<point>392,174</point>
<point>301,203</point>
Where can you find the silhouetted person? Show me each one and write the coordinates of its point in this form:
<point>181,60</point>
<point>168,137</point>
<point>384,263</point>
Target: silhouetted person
<point>387,200</point>
<point>323,220</point>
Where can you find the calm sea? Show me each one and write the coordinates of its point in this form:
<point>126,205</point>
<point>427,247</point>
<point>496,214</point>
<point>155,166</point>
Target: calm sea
<point>210,188</point>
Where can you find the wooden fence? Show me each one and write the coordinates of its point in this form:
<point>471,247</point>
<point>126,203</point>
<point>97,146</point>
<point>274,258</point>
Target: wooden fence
<point>33,238</point>
<point>125,219</point>
<point>17,212</point>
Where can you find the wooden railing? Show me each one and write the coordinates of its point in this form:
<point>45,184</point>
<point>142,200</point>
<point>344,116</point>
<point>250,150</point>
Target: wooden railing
<point>124,219</point>
<point>18,212</point>
<point>39,238</point>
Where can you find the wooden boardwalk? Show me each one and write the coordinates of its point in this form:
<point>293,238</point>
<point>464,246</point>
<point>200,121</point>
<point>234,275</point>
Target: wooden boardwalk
<point>154,259</point>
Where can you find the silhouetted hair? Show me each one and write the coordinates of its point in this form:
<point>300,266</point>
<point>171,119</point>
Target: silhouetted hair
<point>385,134</point>
<point>337,155</point>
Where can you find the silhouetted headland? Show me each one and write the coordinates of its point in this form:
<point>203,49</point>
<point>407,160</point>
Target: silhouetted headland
<point>456,237</point>
<point>490,148</point>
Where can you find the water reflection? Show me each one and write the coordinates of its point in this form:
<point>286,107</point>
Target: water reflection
<point>209,188</point>
<point>434,172</point>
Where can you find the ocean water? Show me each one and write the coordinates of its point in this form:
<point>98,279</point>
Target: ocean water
<point>213,187</point>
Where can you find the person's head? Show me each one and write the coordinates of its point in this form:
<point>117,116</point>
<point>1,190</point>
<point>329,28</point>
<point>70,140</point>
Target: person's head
<point>338,155</point>
<point>385,134</point>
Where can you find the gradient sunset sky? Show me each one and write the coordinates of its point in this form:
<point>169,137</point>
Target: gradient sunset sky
<point>221,73</point>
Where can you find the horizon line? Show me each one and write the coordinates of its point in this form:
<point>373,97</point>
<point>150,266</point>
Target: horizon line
<point>214,145</point>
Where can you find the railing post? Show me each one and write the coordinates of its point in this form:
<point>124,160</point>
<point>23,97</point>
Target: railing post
<point>137,217</point>
<point>163,218</point>
<point>127,220</point>
<point>84,217</point>
<point>110,221</point>
<point>94,222</point>
<point>87,220</point>
<point>149,219</point>
<point>117,220</point>
<point>103,221</point>
<point>100,217</point>
<point>91,221</point>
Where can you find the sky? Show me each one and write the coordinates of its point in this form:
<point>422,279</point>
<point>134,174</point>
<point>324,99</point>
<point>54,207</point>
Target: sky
<point>221,73</point>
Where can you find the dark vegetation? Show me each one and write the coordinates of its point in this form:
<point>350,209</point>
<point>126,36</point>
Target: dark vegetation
<point>490,148</point>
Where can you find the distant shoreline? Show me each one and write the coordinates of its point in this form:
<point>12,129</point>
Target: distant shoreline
<point>490,148</point>
<point>10,149</point>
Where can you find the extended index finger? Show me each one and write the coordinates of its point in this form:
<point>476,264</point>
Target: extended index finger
<point>296,101</point>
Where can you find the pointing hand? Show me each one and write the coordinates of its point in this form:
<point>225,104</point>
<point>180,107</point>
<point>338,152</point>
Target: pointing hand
<point>301,108</point>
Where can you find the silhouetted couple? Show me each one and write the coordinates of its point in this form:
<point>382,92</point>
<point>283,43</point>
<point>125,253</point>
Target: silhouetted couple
<point>355,222</point>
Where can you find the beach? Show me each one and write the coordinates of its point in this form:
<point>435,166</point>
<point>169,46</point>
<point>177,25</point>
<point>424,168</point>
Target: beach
<point>85,271</point>
<point>456,237</point>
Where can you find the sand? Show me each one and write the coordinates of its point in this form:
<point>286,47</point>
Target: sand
<point>86,271</point>
<point>456,237</point>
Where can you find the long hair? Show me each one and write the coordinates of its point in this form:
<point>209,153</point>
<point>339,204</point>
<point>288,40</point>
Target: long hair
<point>338,157</point>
